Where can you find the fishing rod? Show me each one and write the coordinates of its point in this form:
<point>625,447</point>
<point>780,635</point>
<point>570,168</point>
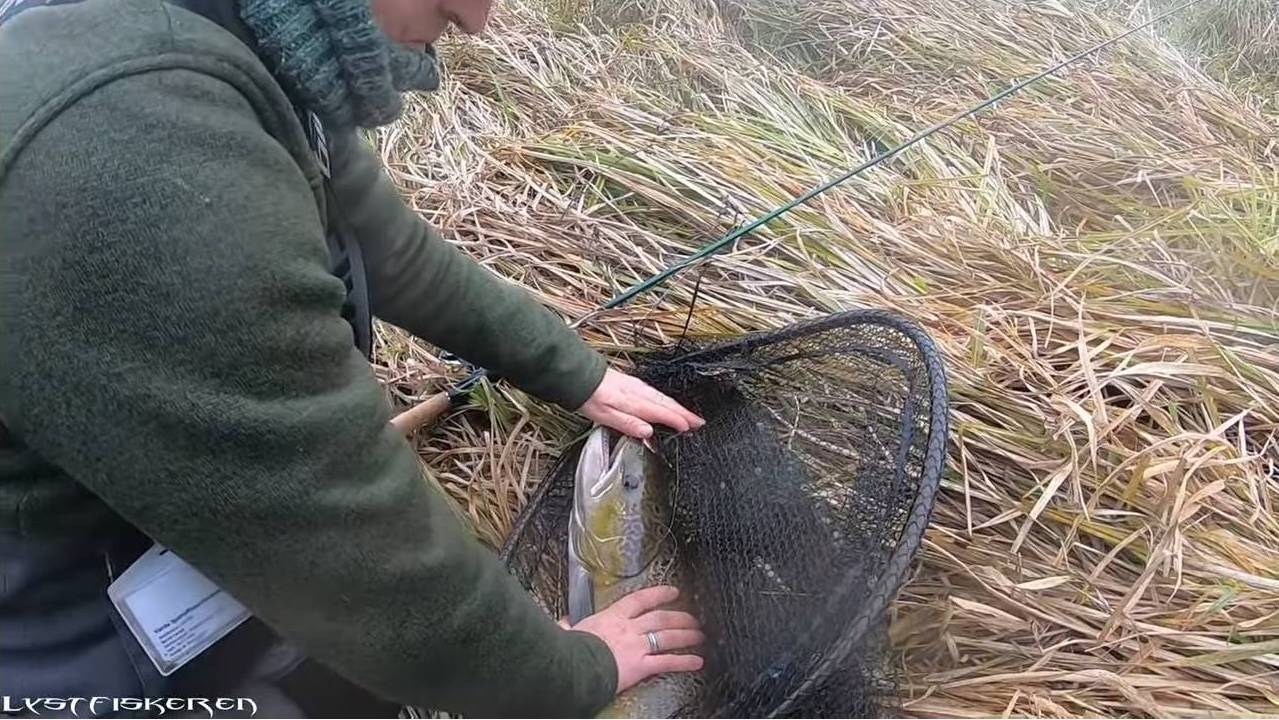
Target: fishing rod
<point>430,409</point>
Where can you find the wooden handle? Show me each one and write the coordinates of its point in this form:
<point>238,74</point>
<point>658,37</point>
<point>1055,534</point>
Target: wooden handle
<point>422,414</point>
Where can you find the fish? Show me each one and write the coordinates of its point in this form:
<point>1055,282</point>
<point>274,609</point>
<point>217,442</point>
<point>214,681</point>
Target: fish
<point>620,541</point>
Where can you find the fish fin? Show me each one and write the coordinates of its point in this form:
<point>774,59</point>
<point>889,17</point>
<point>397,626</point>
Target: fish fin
<point>581,591</point>
<point>591,465</point>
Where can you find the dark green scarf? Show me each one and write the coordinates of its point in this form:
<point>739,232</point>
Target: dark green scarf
<point>332,57</point>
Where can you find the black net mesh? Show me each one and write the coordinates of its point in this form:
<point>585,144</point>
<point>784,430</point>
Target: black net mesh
<point>797,508</point>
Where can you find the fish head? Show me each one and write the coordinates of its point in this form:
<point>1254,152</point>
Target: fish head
<point>622,506</point>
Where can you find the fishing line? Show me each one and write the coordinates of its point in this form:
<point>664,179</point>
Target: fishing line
<point>716,245</point>
<point>692,304</point>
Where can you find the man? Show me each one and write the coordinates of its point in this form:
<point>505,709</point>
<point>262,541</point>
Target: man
<point>195,241</point>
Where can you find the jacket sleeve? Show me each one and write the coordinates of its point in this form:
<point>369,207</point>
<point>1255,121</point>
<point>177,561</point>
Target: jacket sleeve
<point>172,339</point>
<point>425,285</point>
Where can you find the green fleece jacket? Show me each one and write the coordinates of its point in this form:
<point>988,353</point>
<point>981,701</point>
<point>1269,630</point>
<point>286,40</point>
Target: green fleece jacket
<point>172,353</point>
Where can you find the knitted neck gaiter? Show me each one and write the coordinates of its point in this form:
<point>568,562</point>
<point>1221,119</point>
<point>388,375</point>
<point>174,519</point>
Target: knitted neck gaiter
<point>334,60</point>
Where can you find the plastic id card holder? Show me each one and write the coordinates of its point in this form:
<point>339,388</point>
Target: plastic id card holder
<point>175,612</point>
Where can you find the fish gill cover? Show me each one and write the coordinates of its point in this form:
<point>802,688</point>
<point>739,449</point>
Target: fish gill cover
<point>797,509</point>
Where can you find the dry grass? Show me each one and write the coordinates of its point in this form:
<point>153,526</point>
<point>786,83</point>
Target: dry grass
<point>1098,259</point>
<point>1237,41</point>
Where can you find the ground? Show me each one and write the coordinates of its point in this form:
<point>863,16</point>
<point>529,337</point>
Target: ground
<point>1098,259</point>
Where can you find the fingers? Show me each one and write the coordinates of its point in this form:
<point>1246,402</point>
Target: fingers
<point>634,415</point>
<point>666,620</point>
<point>641,601</point>
<point>651,409</point>
<point>656,407</point>
<point>625,423</point>
<point>690,419</point>
<point>631,406</point>
<point>658,664</point>
<point>633,626</point>
<point>668,640</point>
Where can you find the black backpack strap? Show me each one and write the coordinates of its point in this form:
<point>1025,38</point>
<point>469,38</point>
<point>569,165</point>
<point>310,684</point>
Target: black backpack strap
<point>345,255</point>
<point>348,265</point>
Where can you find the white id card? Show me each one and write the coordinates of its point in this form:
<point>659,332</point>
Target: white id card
<point>175,612</point>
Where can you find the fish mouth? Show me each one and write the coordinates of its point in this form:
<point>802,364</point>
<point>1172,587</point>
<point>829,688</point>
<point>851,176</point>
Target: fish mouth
<point>600,485</point>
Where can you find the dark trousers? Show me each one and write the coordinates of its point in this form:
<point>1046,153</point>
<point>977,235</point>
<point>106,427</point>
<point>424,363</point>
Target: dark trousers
<point>60,637</point>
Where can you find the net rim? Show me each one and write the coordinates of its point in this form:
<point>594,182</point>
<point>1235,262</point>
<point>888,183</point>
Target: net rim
<point>898,565</point>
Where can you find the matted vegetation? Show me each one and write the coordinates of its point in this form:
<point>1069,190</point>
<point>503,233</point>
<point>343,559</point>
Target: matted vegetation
<point>1237,41</point>
<point>1098,259</point>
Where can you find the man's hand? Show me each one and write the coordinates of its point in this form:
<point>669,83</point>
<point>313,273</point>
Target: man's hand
<point>625,626</point>
<point>630,405</point>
